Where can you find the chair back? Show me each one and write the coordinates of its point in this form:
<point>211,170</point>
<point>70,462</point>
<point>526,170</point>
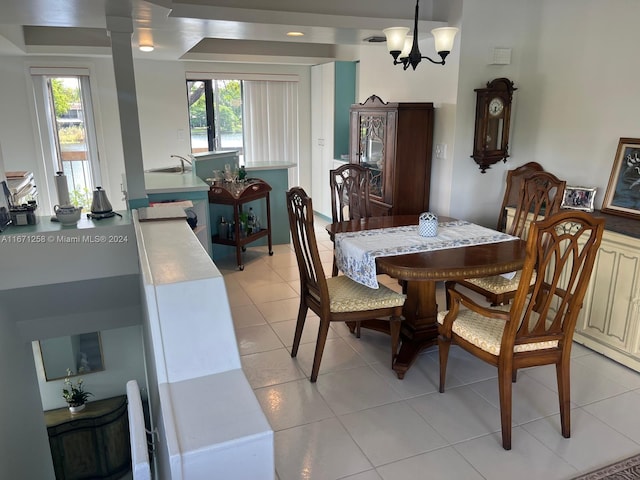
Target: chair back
<point>349,192</point>
<point>512,189</point>
<point>313,283</point>
<point>540,196</point>
<point>561,249</point>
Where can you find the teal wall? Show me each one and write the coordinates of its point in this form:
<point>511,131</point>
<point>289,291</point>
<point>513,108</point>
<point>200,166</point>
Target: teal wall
<point>345,96</point>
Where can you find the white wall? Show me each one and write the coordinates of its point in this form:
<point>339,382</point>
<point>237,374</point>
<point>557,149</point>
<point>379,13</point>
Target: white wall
<point>123,361</point>
<point>18,129</point>
<point>572,105</point>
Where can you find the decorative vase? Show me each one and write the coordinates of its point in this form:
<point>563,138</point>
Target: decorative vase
<point>77,408</point>
<point>428,226</point>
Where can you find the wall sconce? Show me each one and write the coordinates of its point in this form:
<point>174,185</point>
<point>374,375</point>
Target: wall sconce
<point>146,48</point>
<point>404,48</point>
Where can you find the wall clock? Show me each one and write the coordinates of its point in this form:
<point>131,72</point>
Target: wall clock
<point>493,113</point>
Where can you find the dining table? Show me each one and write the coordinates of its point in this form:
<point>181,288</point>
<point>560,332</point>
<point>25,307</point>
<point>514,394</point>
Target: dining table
<point>419,272</point>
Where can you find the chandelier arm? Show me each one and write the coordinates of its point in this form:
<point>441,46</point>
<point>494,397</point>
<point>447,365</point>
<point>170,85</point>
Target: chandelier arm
<point>441,62</point>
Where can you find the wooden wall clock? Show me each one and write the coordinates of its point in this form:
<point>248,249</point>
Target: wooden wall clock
<point>493,114</point>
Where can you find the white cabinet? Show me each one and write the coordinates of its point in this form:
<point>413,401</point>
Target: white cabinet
<point>610,316</point>
<point>332,94</point>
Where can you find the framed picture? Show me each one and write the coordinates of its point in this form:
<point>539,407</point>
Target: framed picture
<point>578,198</point>
<point>623,192</point>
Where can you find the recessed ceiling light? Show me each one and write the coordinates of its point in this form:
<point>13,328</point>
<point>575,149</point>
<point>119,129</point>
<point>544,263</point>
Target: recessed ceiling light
<point>295,34</point>
<point>146,48</point>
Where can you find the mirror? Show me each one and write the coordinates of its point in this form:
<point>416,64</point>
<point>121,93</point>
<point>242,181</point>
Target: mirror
<point>81,354</point>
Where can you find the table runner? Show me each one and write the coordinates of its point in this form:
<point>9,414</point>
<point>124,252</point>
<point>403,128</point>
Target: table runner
<point>356,252</point>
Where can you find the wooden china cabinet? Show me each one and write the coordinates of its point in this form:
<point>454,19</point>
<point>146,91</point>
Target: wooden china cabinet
<point>394,141</point>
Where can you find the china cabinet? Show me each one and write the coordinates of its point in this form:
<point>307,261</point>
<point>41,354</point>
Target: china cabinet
<point>394,141</point>
<point>93,443</point>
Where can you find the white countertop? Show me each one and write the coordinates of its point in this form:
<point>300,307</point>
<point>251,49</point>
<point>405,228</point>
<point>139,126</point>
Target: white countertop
<point>268,166</point>
<point>174,182</point>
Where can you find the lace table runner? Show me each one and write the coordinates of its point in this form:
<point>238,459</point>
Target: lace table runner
<point>356,252</point>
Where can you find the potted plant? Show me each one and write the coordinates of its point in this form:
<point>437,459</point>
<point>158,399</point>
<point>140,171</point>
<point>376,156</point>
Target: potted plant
<point>74,393</point>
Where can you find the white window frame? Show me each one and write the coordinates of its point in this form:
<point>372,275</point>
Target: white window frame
<point>45,119</point>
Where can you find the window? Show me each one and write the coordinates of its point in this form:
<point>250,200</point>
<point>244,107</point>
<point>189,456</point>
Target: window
<point>258,117</point>
<point>215,115</point>
<point>68,139</point>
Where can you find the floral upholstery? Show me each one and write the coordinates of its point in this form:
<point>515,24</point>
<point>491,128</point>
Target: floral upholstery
<point>349,296</point>
<point>498,284</point>
<point>486,333</point>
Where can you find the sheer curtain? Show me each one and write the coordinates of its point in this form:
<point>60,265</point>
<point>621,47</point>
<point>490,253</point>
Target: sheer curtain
<point>270,122</point>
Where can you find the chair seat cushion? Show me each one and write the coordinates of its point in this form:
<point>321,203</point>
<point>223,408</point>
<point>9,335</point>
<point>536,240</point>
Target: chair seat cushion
<point>486,333</point>
<point>498,284</point>
<point>349,296</point>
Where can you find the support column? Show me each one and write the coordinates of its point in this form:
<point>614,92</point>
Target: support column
<point>120,30</point>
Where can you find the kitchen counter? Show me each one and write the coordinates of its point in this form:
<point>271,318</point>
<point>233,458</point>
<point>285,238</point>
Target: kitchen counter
<point>268,166</point>
<point>49,253</point>
<point>174,182</point>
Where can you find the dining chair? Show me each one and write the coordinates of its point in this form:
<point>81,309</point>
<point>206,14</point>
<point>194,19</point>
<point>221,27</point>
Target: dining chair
<point>537,328</point>
<point>349,185</point>
<point>333,299</point>
<point>540,195</point>
<point>513,183</point>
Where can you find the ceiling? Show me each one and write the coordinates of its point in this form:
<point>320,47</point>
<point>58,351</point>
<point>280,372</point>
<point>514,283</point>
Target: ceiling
<point>207,30</point>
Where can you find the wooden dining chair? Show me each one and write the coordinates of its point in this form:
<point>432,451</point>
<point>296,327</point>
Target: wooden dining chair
<point>513,184</point>
<point>349,184</point>
<point>537,328</point>
<point>540,195</point>
<point>333,299</point>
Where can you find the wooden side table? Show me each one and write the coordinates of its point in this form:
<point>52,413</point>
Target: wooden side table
<point>237,194</point>
<point>93,443</point>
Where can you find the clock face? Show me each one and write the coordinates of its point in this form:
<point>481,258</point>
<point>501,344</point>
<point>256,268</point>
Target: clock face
<point>496,106</point>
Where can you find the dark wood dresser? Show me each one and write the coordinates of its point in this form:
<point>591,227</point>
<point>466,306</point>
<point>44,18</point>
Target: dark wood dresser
<point>93,443</point>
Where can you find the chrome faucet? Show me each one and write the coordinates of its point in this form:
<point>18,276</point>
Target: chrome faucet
<point>182,160</point>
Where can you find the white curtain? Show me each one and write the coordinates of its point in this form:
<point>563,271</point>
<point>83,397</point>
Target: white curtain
<point>270,122</point>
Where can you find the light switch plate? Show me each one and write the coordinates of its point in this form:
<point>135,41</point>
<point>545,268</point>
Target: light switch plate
<point>441,150</point>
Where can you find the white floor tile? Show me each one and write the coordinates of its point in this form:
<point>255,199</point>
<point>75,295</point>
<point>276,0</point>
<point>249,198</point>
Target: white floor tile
<point>319,451</point>
<point>458,414</point>
<point>368,475</point>
<point>422,377</point>
<point>530,399</point>
<point>621,412</point>
<point>337,355</point>
<point>592,444</point>
<point>527,460</point>
<point>356,389</point>
<point>391,432</point>
<point>257,338</point>
<point>630,379</point>
<point>246,316</point>
<point>587,385</point>
<point>440,464</point>
<point>286,331</point>
<point>270,368</point>
<point>271,292</point>
<point>292,404</point>
<point>278,311</point>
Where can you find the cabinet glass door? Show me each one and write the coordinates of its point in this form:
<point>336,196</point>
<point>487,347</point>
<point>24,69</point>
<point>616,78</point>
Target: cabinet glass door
<point>372,150</point>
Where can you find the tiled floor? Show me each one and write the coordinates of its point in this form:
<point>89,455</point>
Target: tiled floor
<point>360,422</point>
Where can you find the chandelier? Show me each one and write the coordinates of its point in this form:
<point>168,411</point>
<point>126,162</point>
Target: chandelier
<point>404,48</point>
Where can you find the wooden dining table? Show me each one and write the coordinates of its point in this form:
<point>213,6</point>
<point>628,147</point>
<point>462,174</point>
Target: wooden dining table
<point>419,272</point>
